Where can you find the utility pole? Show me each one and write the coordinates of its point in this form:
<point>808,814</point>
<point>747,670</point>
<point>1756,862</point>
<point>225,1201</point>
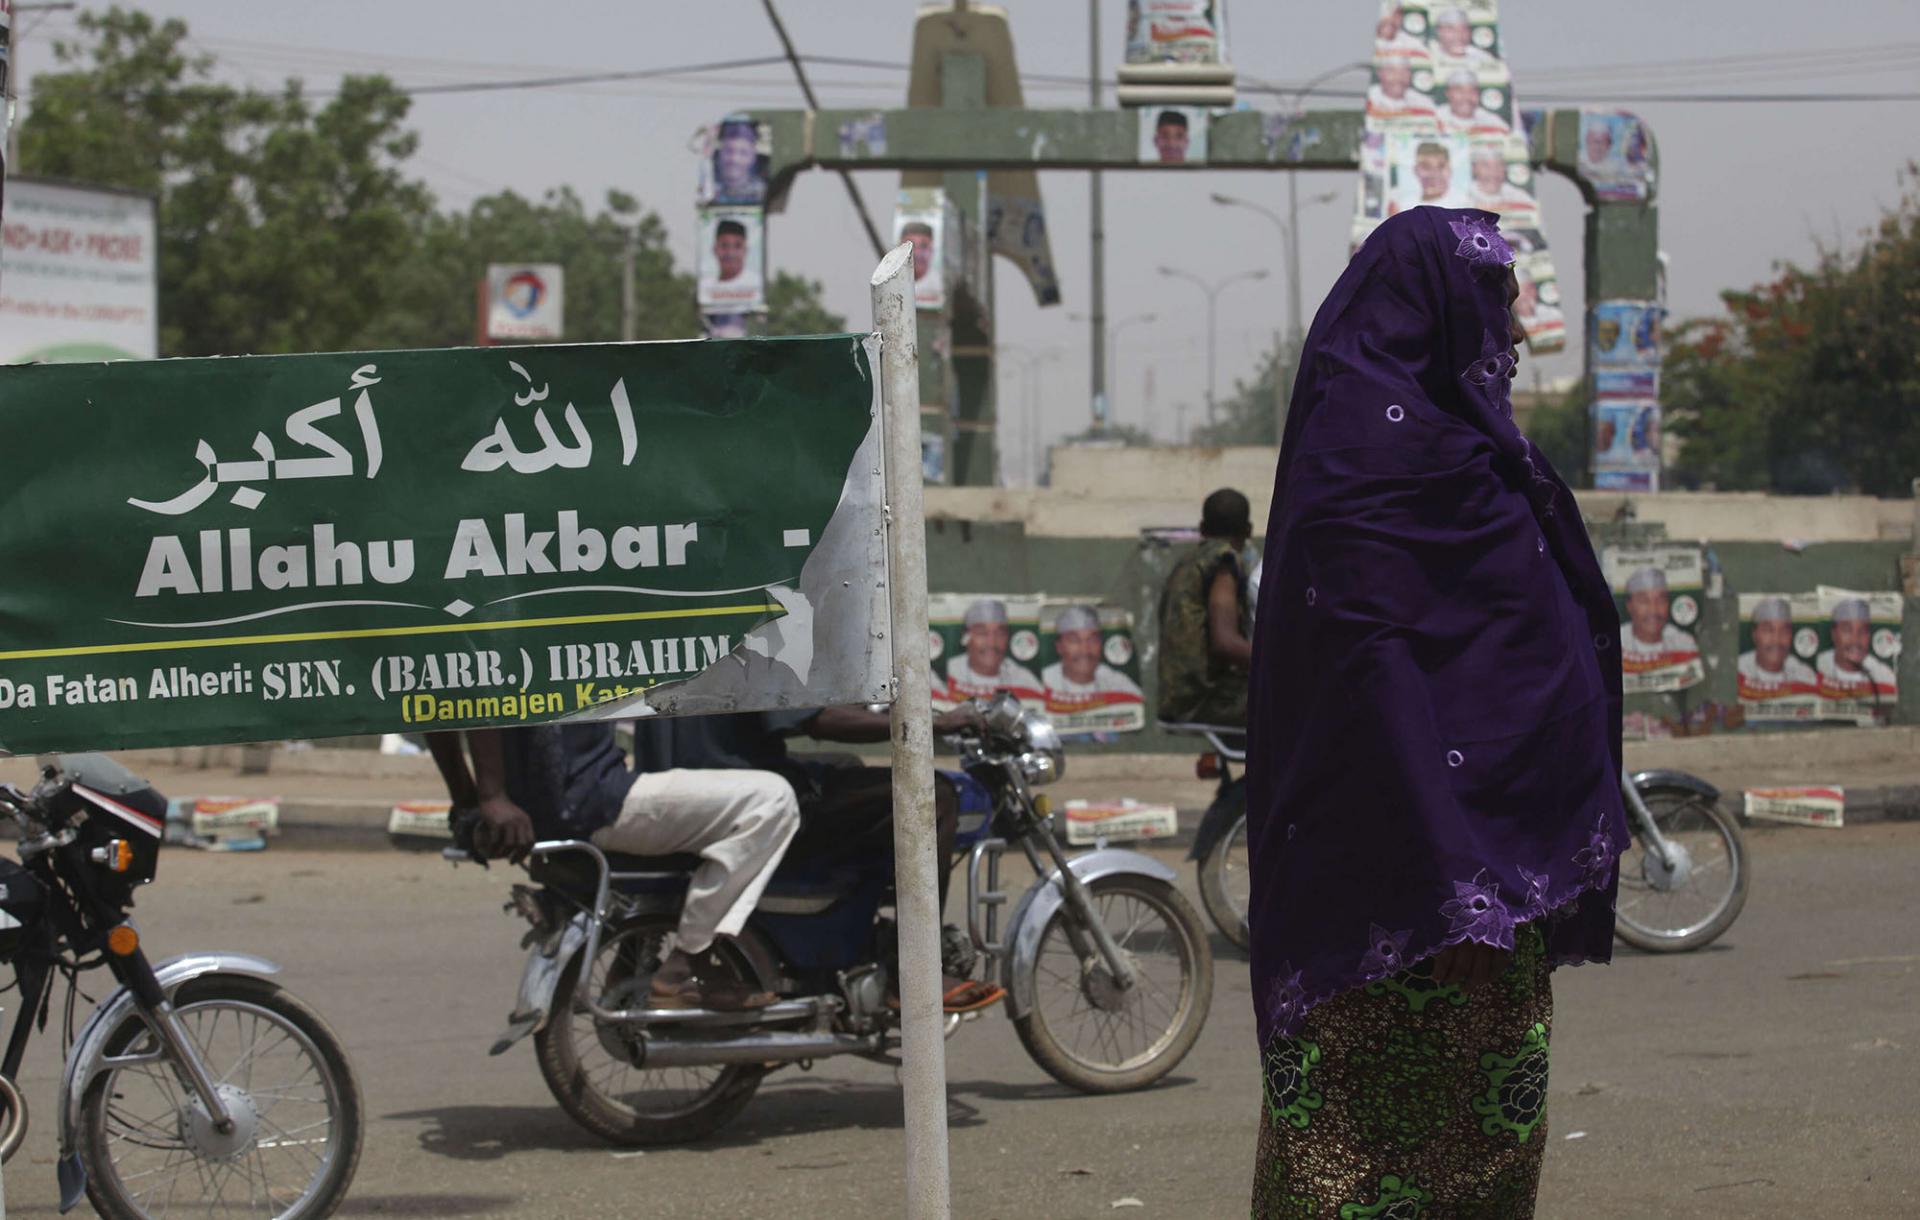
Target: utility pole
<point>1213,292</point>
<point>1097,367</point>
<point>626,284</point>
<point>19,34</point>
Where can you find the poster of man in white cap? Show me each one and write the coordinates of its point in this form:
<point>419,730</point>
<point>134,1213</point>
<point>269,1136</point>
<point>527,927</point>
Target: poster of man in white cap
<point>992,644</point>
<point>1856,674</point>
<point>1658,590</point>
<point>1088,688</point>
<point>1776,684</point>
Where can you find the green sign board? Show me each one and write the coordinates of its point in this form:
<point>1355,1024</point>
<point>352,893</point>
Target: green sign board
<point>219,550</point>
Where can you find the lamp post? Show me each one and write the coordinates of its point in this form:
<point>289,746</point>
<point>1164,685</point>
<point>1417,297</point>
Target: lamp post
<point>1289,227</point>
<point>1113,360</point>
<point>1213,292</point>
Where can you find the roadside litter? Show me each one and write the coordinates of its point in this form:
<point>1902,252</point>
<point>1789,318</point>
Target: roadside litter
<point>223,823</point>
<point>1814,806</point>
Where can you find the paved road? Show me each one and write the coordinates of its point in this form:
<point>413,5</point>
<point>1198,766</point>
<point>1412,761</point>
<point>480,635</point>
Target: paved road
<point>1774,1075</point>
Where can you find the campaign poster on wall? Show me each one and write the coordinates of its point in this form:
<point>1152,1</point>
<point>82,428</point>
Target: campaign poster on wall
<point>982,644</point>
<point>731,260</point>
<point>1856,654</point>
<point>1173,135</point>
<point>733,169</point>
<point>1538,305</point>
<point>1464,104</point>
<point>1658,592</point>
<point>1616,154</point>
<point>1429,169</point>
<point>1779,637</point>
<point>1091,674</point>
<point>1400,94</point>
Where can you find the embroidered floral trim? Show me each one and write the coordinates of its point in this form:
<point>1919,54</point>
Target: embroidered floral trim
<point>1480,244</point>
<point>1477,913</point>
<point>1286,999</point>
<point>1386,952</point>
<point>1492,372</point>
<point>1536,892</point>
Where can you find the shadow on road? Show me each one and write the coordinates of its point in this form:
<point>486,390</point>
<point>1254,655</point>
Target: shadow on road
<point>426,1205</point>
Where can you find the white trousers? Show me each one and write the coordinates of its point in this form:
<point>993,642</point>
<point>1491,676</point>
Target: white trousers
<point>739,822</point>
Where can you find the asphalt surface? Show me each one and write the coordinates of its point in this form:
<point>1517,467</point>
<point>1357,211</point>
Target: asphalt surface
<point>1772,1075</point>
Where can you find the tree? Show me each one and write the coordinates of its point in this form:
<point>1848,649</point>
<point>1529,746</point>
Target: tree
<point>1811,383</point>
<point>1249,415</point>
<point>278,219</point>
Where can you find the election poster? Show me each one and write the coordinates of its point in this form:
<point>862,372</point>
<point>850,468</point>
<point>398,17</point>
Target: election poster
<point>1091,674</point>
<point>733,167</point>
<point>1856,654</point>
<point>920,217</point>
<point>731,260</point>
<point>1779,634</point>
<point>1538,306</point>
<point>1176,32</point>
<point>984,644</point>
<point>1623,338</point>
<point>1626,334</point>
<point>1466,105</point>
<point>302,546</point>
<point>1616,155</point>
<point>1429,169</point>
<point>1626,445</point>
<point>1173,135</point>
<point>79,276</point>
<point>1658,592</point>
<point>1400,94</point>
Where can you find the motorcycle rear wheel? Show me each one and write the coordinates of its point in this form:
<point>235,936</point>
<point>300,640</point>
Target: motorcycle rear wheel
<point>1663,914</point>
<point>1224,881</point>
<point>282,1074</point>
<point>1137,1035</point>
<point>594,1080</point>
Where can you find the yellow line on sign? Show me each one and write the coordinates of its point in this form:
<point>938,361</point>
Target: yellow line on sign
<point>297,637</point>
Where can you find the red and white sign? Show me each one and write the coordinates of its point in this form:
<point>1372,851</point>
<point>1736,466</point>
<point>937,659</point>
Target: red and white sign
<point>525,301</point>
<point>78,274</point>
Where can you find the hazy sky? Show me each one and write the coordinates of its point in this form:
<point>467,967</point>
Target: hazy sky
<point>1745,185</point>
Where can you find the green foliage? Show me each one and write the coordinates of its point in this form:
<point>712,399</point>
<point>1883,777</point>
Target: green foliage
<point>1811,383</point>
<point>1562,429</point>
<point>1247,415</point>
<point>289,223</point>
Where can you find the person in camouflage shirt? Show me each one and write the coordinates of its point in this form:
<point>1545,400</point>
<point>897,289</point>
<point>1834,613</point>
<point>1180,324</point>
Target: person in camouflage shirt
<point>1205,621</point>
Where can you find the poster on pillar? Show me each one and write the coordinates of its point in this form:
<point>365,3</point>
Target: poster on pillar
<point>1176,32</point>
<point>730,262</point>
<point>920,217</point>
<point>1538,306</point>
<point>1657,591</point>
<point>1779,640</point>
<point>1626,445</point>
<point>1616,155</point>
<point>1427,170</point>
<point>733,167</point>
<point>267,547</point>
<point>1856,656</point>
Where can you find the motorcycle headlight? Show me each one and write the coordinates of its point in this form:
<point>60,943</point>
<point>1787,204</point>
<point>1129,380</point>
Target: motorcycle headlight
<point>1044,759</point>
<point>1042,768</point>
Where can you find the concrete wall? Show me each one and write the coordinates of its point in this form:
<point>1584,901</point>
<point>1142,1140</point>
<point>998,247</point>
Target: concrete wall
<point>1115,493</point>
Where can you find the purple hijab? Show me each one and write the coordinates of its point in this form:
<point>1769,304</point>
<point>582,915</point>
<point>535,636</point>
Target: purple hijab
<point>1435,697</point>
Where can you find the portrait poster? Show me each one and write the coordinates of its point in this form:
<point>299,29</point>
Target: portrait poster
<point>1626,445</point>
<point>1465,104</point>
<point>982,644</point>
<point>919,217</point>
<point>1779,638</point>
<point>1625,334</point>
<point>1173,135</point>
<point>1429,169</point>
<point>1400,94</point>
<point>1466,35</point>
<point>733,167</point>
<point>1091,670</point>
<point>1538,306</point>
<point>1502,183</point>
<point>1616,154</point>
<point>1856,660</point>
<point>1658,592</point>
<point>730,262</point>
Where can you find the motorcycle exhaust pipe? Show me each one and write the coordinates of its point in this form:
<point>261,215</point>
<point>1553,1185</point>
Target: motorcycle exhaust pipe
<point>757,1048</point>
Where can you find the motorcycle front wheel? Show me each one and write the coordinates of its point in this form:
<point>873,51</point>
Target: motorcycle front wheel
<point>1089,1032</point>
<point>590,1066</point>
<point>1689,902</point>
<point>151,1151</point>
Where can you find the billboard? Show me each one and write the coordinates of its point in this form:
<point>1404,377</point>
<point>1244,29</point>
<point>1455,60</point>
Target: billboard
<point>78,274</point>
<point>318,545</point>
<point>526,301</point>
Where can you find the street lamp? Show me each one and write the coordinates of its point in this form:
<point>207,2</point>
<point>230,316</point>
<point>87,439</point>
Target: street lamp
<point>1113,358</point>
<point>1289,227</point>
<point>1213,292</point>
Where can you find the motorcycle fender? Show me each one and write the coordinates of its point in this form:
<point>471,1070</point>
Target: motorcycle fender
<point>1675,779</point>
<point>1029,919</point>
<point>1227,808</point>
<point>91,1042</point>
<point>537,982</point>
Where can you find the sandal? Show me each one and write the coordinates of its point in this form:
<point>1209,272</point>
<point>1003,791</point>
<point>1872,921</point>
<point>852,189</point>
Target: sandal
<point>715,996</point>
<point>961,996</point>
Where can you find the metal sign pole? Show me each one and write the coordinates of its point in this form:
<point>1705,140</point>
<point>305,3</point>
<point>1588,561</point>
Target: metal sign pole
<point>923,1051</point>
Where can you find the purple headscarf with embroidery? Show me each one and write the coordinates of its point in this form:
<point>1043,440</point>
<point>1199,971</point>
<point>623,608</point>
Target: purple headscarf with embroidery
<point>1434,717</point>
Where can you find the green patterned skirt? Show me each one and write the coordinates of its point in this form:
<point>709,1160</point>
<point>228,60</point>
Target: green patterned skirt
<point>1406,1100</point>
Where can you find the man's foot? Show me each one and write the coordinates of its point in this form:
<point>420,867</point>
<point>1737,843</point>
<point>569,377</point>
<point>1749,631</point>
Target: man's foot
<point>959,995</point>
<point>714,995</point>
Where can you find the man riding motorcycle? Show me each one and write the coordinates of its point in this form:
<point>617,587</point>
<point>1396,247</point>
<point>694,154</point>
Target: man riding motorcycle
<point>569,781</point>
<point>846,809</point>
<point>1205,617</point>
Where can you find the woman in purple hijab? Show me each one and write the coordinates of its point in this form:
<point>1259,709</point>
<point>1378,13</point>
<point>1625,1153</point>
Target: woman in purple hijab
<point>1434,718</point>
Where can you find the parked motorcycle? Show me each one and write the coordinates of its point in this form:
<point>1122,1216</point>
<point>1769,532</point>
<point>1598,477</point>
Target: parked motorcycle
<point>1220,845</point>
<point>1107,968</point>
<point>198,1086</point>
<point>1684,879</point>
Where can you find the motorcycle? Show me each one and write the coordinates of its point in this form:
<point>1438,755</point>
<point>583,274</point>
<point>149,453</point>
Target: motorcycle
<point>1106,967</point>
<point>198,1085</point>
<point>1682,882</point>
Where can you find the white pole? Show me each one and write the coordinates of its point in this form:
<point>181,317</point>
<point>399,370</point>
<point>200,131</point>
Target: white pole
<point>923,1049</point>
